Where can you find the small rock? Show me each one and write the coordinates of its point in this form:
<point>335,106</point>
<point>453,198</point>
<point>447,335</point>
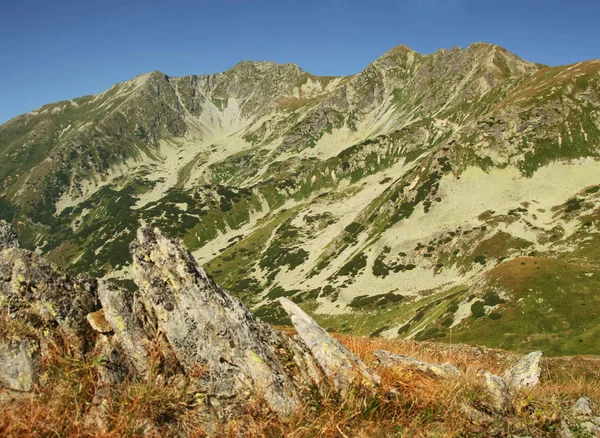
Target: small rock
<point>590,428</point>
<point>19,364</point>
<point>525,373</point>
<point>445,370</point>
<point>582,407</point>
<point>564,431</point>
<point>499,392</point>
<point>99,322</point>
<point>8,236</point>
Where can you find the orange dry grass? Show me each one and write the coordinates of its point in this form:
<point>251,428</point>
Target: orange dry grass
<point>423,405</point>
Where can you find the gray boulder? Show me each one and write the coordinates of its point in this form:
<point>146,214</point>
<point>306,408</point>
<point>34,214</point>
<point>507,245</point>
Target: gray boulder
<point>8,236</point>
<point>445,370</point>
<point>583,407</point>
<point>525,373</point>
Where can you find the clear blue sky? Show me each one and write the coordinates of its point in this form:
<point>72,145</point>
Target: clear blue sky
<point>58,49</point>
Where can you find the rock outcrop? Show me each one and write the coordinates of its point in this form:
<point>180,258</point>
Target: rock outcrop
<point>36,291</point>
<point>206,327</point>
<point>201,332</point>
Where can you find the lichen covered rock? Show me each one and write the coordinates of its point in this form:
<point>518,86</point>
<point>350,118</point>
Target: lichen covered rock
<point>208,328</point>
<point>8,236</point>
<point>19,364</point>
<point>526,372</point>
<point>33,289</point>
<point>499,392</point>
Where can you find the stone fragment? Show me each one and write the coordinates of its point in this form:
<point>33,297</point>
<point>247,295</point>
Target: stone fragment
<point>445,370</point>
<point>525,373</point>
<point>208,328</point>
<point>499,392</point>
<point>8,236</point>
<point>475,415</point>
<point>583,407</point>
<point>19,364</point>
<point>340,365</point>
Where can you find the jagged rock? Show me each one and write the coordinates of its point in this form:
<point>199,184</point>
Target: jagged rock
<point>19,364</point>
<point>340,365</point>
<point>33,289</point>
<point>525,373</point>
<point>445,370</point>
<point>208,328</point>
<point>8,236</point>
<point>583,407</point>
<point>498,390</point>
<point>99,322</point>
<point>118,306</point>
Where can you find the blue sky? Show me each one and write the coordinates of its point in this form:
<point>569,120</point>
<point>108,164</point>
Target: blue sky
<point>58,49</point>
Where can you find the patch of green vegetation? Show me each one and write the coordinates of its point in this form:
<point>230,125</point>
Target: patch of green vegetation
<point>478,309</point>
<point>7,211</point>
<point>492,299</point>
<point>375,301</point>
<point>353,266</point>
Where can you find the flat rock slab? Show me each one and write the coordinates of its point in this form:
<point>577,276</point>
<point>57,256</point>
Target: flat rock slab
<point>389,359</point>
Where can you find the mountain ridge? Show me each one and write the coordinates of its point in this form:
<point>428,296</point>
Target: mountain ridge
<point>377,200</point>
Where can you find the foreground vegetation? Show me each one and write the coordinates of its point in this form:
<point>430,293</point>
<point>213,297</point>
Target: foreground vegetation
<point>424,406</point>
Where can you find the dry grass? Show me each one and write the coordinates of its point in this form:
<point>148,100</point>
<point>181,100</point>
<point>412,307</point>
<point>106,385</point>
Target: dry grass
<point>423,407</point>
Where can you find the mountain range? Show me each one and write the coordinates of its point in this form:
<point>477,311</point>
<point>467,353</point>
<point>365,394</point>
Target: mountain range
<point>452,196</point>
